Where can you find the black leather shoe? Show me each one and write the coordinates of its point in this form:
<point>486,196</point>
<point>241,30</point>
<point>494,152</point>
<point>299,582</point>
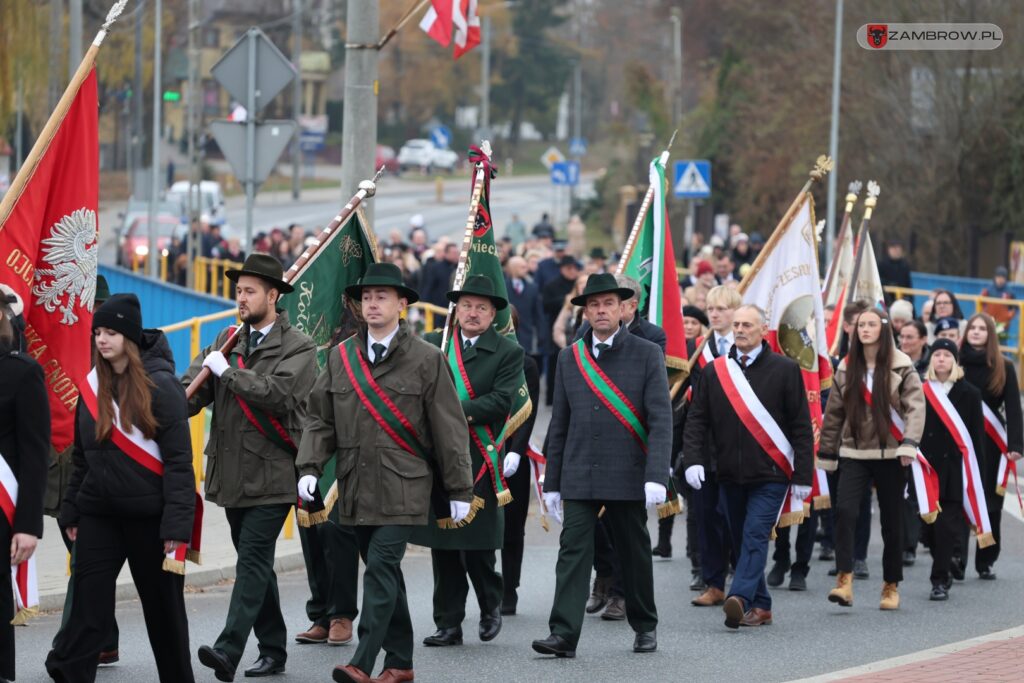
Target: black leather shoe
<point>827,555</point>
<point>939,592</point>
<point>833,571</point>
<point>217,660</point>
<point>265,666</point>
<point>490,625</point>
<point>664,551</point>
<point>508,604</point>
<point>554,645</point>
<point>987,574</point>
<point>956,569</point>
<point>444,637</point>
<point>777,575</point>
<point>646,642</point>
<point>909,558</point>
<point>697,583</point>
<point>860,569</point>
<point>797,581</point>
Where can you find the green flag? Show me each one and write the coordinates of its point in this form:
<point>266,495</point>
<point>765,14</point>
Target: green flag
<point>316,308</point>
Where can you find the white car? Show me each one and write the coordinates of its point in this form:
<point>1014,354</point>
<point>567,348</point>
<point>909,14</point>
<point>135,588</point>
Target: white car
<point>211,199</point>
<point>421,153</point>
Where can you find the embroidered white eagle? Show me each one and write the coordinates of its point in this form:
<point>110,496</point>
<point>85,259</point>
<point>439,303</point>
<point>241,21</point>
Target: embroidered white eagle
<point>72,253</point>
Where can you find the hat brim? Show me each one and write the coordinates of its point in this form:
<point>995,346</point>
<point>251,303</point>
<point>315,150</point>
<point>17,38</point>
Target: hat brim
<point>623,292</point>
<point>279,285</point>
<point>498,302</point>
<point>355,292</point>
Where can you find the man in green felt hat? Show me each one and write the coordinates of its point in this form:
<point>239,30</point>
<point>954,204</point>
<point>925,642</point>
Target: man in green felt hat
<point>486,367</point>
<point>258,393</point>
<point>386,406</point>
<point>609,446</point>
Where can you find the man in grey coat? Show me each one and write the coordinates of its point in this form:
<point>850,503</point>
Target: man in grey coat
<point>609,445</point>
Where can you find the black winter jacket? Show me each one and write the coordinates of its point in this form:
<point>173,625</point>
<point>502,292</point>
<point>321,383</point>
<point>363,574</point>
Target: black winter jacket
<point>711,420</point>
<point>25,435</point>
<point>107,482</point>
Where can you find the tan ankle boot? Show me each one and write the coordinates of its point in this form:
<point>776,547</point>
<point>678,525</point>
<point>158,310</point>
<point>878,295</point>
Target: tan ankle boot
<point>890,596</point>
<point>842,594</point>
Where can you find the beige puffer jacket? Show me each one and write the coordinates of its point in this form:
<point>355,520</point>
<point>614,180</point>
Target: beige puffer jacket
<point>905,395</point>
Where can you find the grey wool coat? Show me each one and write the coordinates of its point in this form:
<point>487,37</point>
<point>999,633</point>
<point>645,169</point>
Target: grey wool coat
<point>591,455</point>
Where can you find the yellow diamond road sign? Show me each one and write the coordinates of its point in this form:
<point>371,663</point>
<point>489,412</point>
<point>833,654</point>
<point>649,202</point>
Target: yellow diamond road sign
<point>551,157</point>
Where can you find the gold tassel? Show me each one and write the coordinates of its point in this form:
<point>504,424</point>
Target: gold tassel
<point>930,517</point>
<point>474,507</point>
<point>23,615</point>
<point>193,556</point>
<point>774,534</point>
<point>544,523</point>
<point>302,518</point>
<point>174,566</point>
<point>504,498</point>
<point>670,508</point>
<point>986,539</point>
<point>790,519</point>
<point>1000,490</point>
<point>822,502</point>
<point>446,523</point>
<point>331,499</point>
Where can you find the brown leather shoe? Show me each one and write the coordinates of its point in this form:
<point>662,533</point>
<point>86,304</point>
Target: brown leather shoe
<point>842,594</point>
<point>349,674</point>
<point>734,611</point>
<point>709,598</point>
<point>316,635</point>
<point>394,676</point>
<point>109,657</point>
<point>341,632</point>
<point>890,596</point>
<point>757,617</point>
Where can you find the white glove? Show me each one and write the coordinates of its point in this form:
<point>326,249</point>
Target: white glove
<point>800,492</point>
<point>216,362</point>
<point>307,487</point>
<point>655,493</point>
<point>694,475</point>
<point>511,465</point>
<point>553,502</point>
<point>459,510</point>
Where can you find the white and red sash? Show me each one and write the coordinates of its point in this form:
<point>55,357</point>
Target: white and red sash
<point>537,462</point>
<point>23,576</point>
<point>763,427</point>
<point>974,492</point>
<point>926,479</point>
<point>821,497</point>
<point>997,432</point>
<point>706,354</point>
<point>146,452</point>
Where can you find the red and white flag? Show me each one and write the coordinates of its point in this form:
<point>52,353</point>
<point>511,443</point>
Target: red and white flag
<point>455,21</point>
<point>834,292</point>
<point>48,249</point>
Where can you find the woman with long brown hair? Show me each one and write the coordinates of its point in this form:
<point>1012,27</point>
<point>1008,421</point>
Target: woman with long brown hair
<point>131,495</point>
<point>995,376</point>
<point>874,387</point>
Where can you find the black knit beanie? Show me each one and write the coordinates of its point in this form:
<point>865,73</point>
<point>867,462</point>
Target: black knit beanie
<point>121,313</point>
<point>946,345</point>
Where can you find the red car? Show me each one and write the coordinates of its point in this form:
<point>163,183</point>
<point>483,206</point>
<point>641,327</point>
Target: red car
<point>135,239</point>
<point>387,158</point>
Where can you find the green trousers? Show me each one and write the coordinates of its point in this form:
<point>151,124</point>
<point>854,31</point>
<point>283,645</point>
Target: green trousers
<point>331,553</point>
<point>384,622</point>
<point>627,521</point>
<point>451,587</point>
<point>255,604</point>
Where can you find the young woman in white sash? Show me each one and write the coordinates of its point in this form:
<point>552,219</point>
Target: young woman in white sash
<point>996,379</point>
<point>131,495</point>
<point>876,393</point>
<point>940,447</point>
<point>24,447</point>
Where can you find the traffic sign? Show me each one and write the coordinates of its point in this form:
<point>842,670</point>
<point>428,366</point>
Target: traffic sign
<point>271,139</point>
<point>578,147</point>
<point>692,179</point>
<point>441,136</point>
<point>311,141</point>
<point>272,70</point>
<point>565,173</point>
<point>551,157</point>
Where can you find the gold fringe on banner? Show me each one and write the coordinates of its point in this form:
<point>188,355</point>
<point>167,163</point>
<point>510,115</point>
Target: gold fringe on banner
<point>504,498</point>
<point>26,613</point>
<point>822,502</point>
<point>174,566</point>
<point>193,556</point>
<point>986,539</point>
<point>670,508</point>
<point>477,505</point>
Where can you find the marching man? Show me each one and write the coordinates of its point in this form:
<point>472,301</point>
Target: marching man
<point>750,406</point>
<point>386,405</point>
<point>609,445</point>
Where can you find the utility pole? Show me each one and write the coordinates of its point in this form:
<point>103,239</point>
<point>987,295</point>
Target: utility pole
<point>833,143</point>
<point>135,140</point>
<point>297,96</point>
<point>485,77</point>
<point>56,81</point>
<point>677,54</point>
<point>75,39</point>
<point>359,115</point>
<point>19,155</point>
<point>154,170</point>
<point>192,126</point>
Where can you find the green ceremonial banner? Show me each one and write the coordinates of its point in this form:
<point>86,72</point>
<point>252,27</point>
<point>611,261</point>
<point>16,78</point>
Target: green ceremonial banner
<point>316,308</point>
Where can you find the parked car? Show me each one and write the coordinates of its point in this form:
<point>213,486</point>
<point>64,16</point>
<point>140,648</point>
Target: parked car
<point>423,154</point>
<point>211,200</point>
<point>135,239</point>
<point>386,157</point>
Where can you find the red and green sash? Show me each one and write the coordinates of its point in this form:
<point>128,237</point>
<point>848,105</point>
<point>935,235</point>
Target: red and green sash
<point>483,438</point>
<point>265,423</point>
<point>380,406</point>
<point>609,394</point>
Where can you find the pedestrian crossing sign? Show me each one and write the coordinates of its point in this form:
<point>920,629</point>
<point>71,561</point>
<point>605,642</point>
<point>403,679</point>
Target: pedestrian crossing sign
<point>692,179</point>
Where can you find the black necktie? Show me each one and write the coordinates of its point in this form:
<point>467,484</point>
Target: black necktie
<point>467,345</point>
<point>254,340</point>
<point>378,352</point>
<point>744,359</point>
<point>601,347</point>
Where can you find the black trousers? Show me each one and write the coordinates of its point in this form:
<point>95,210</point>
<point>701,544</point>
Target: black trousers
<point>692,528</point>
<point>549,377</point>
<point>516,513</point>
<point>454,570</point>
<point>607,564</point>
<point>942,536</point>
<point>862,533</point>
<point>804,544</point>
<point>102,546</point>
<point>984,558</point>
<point>6,608</point>
<point>114,637</point>
<point>856,477</point>
<point>331,553</point>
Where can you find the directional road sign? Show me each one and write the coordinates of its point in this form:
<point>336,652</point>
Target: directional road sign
<point>692,179</point>
<point>565,173</point>
<point>578,147</point>
<point>273,70</point>
<point>441,136</point>
<point>271,139</point>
